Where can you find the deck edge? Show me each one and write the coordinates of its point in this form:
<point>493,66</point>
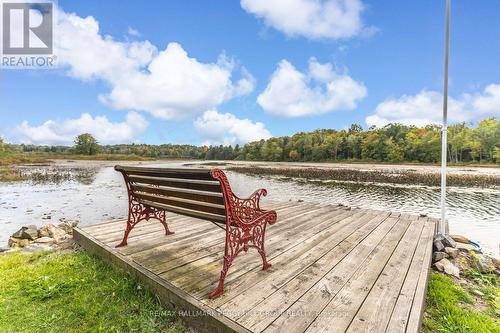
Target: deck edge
<point>169,295</point>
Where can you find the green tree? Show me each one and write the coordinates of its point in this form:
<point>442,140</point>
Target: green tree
<point>86,144</point>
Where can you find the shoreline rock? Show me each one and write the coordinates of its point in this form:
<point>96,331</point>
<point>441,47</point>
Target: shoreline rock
<point>32,239</point>
<point>458,256</point>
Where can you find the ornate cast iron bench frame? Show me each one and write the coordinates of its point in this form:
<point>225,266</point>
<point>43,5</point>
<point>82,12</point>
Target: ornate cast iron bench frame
<point>200,193</point>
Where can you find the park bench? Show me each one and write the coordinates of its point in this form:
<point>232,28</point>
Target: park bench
<point>199,193</point>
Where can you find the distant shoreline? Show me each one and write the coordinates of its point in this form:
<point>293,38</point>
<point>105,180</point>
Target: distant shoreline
<point>393,175</point>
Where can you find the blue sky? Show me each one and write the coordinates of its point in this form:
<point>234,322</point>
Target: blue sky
<point>235,72</point>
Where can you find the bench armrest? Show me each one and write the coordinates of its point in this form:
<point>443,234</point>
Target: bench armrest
<point>254,198</point>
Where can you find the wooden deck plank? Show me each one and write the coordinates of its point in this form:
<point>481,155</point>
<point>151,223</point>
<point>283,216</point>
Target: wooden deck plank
<point>417,308</point>
<point>293,262</point>
<point>206,272</point>
<point>377,308</point>
<point>401,312</point>
<point>239,280</point>
<point>317,285</point>
<point>284,230</point>
<point>348,300</point>
<point>369,266</point>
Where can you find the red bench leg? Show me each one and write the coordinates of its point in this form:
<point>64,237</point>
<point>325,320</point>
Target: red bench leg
<point>238,240</point>
<point>138,212</point>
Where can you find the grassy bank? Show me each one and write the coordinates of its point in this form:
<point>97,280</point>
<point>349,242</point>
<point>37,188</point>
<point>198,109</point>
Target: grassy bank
<point>17,158</point>
<point>390,177</point>
<point>470,306</point>
<point>74,292</point>
<point>10,162</point>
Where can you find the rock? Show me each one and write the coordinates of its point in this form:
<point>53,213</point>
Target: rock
<point>23,242</point>
<point>26,232</point>
<point>58,234</point>
<point>463,261</point>
<point>14,242</point>
<point>496,263</point>
<point>460,239</point>
<point>438,245</point>
<point>452,252</point>
<point>477,292</point>
<point>45,240</point>
<point>44,231</point>
<point>448,241</point>
<point>73,223</point>
<point>438,255</point>
<point>446,266</point>
<point>482,263</point>
<point>66,227</point>
<point>36,247</point>
<point>3,249</point>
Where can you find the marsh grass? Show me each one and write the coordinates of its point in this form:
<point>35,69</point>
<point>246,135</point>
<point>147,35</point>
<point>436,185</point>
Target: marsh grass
<point>362,176</point>
<point>10,174</point>
<point>75,292</point>
<point>451,308</point>
<point>19,166</point>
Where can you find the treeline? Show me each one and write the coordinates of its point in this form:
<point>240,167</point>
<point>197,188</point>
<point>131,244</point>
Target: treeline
<point>392,143</point>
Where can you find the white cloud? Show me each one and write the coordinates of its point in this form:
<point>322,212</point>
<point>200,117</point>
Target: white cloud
<point>168,84</point>
<point>63,132</point>
<point>489,101</point>
<point>291,93</point>
<point>133,32</point>
<point>426,108</point>
<point>225,128</point>
<point>315,19</point>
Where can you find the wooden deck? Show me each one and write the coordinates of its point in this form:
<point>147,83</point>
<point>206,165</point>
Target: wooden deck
<point>334,270</point>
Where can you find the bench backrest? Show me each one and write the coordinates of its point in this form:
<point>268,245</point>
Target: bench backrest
<point>191,192</point>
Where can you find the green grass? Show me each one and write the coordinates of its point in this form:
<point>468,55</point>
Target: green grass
<point>450,308</point>
<point>75,292</point>
<point>21,158</point>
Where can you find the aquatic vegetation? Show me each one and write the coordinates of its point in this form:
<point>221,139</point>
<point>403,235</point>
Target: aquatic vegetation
<point>9,174</point>
<point>367,176</point>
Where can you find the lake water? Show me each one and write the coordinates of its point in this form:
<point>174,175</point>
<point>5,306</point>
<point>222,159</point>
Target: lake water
<point>101,195</point>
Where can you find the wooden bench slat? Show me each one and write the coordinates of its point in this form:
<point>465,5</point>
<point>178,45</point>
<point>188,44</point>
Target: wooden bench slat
<point>204,196</point>
<point>189,212</point>
<point>200,185</point>
<point>197,174</point>
<point>183,203</point>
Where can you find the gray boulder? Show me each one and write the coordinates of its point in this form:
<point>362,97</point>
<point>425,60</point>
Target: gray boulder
<point>451,252</point>
<point>27,232</point>
<point>44,231</point>
<point>58,234</point>
<point>446,266</point>
<point>45,240</point>
<point>438,255</point>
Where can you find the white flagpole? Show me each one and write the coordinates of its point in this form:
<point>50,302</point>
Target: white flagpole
<point>444,138</point>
